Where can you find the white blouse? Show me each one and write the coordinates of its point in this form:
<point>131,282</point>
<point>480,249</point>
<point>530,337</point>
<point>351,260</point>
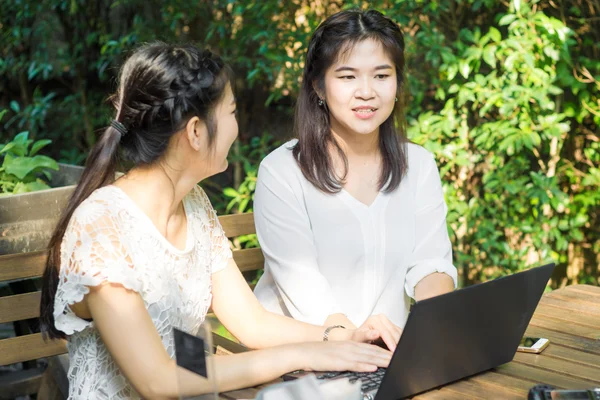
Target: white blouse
<point>330,253</point>
<point>109,239</point>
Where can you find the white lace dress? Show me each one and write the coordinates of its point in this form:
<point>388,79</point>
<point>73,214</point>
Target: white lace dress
<point>109,239</point>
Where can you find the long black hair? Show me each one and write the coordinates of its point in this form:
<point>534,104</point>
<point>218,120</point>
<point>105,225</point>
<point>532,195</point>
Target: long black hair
<point>335,35</point>
<point>161,87</point>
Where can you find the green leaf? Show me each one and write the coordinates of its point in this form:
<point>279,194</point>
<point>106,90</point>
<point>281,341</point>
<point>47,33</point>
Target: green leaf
<point>517,4</point>
<point>37,185</point>
<point>577,235</point>
<point>507,19</point>
<point>7,147</point>
<point>23,166</point>
<point>37,146</point>
<point>21,137</point>
<point>230,192</point>
<point>18,149</point>
<point>20,188</point>
<point>15,106</point>
<point>243,204</point>
<point>230,205</point>
<point>252,74</point>
<point>464,69</point>
<point>495,35</point>
<point>510,61</point>
<point>489,55</point>
<point>29,187</point>
<point>452,71</point>
<point>593,177</point>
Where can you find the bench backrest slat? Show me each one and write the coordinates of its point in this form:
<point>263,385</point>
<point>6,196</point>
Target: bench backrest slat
<point>22,265</point>
<point>20,307</point>
<point>249,259</point>
<point>29,347</point>
<point>238,224</point>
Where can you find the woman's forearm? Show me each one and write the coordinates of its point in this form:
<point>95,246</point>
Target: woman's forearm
<point>261,366</point>
<point>339,319</point>
<point>230,372</point>
<point>238,309</point>
<point>433,285</point>
<point>272,329</point>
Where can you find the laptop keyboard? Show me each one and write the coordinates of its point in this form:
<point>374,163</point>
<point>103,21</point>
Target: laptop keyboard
<point>369,380</point>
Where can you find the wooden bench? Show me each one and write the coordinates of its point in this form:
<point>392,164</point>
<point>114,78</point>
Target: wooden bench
<point>27,307</point>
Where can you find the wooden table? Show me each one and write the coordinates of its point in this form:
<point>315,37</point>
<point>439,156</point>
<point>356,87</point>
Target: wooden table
<point>570,318</point>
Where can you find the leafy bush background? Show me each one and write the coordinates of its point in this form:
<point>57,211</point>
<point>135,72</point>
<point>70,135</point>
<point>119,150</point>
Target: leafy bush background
<point>505,93</point>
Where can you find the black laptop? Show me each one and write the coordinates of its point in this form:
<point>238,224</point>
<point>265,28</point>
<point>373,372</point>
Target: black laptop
<point>455,335</point>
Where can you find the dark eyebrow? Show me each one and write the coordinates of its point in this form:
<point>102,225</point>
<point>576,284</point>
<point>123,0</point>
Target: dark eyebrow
<point>345,69</point>
<point>377,68</point>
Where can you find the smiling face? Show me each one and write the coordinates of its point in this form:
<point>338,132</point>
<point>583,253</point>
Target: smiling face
<point>196,154</point>
<point>227,130</point>
<point>360,89</point>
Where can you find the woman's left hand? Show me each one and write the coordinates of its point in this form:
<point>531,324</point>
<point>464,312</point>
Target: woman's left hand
<point>376,327</point>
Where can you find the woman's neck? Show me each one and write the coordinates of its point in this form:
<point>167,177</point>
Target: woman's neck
<point>357,145</point>
<point>157,189</point>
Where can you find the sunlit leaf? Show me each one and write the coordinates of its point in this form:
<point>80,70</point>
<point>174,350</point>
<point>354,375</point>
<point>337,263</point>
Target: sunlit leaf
<point>37,146</point>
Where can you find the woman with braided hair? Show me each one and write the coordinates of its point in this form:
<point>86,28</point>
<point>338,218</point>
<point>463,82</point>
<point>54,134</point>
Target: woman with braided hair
<point>135,257</point>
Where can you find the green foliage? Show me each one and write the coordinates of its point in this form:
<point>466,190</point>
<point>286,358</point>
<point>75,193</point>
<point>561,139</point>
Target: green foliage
<point>22,168</point>
<point>32,116</point>
<point>249,156</point>
<point>505,94</point>
<point>241,199</point>
<point>498,127</point>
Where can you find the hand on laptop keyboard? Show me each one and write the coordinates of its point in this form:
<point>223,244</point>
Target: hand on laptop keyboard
<point>388,332</point>
<point>343,356</point>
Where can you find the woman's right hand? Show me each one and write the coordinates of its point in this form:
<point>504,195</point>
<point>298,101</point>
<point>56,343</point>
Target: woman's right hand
<point>343,356</point>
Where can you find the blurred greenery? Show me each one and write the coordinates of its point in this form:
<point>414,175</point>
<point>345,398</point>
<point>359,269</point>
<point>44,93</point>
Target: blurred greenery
<point>506,94</point>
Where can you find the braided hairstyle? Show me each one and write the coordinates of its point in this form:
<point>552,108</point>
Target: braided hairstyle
<point>161,87</point>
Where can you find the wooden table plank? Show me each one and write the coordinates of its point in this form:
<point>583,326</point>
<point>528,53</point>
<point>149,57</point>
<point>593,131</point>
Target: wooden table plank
<point>593,290</point>
<point>585,309</point>
<point>570,328</point>
<point>496,381</point>
<point>576,356</point>
<point>565,367</point>
<point>533,375</point>
<point>589,299</point>
<point>476,390</point>
<point>566,315</point>
<point>439,395</point>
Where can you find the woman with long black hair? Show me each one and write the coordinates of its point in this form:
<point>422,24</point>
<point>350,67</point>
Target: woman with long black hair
<point>135,257</point>
<point>350,215</point>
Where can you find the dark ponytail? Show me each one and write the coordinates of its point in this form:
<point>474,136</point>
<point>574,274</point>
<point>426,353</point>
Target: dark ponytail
<point>160,88</point>
<point>99,170</point>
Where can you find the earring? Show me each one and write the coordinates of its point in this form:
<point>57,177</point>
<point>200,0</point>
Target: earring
<point>396,99</point>
<point>321,103</point>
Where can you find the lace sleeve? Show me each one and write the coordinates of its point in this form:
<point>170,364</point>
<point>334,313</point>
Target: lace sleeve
<point>93,251</point>
<point>220,252</point>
